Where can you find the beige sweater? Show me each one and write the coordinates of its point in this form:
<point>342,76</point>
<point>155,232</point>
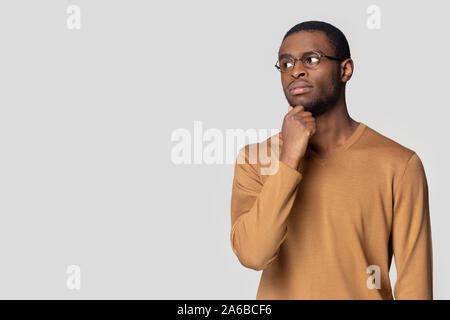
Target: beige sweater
<point>328,230</point>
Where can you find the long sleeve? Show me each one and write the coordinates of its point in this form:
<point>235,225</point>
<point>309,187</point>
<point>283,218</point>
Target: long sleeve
<point>259,211</point>
<point>411,234</point>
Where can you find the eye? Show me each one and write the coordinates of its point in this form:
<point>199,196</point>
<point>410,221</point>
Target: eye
<point>288,64</point>
<point>312,60</point>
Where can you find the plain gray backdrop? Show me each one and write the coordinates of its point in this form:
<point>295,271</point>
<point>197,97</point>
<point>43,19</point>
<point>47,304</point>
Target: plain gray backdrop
<point>86,118</point>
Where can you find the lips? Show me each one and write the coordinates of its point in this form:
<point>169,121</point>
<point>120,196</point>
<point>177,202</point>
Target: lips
<point>299,88</point>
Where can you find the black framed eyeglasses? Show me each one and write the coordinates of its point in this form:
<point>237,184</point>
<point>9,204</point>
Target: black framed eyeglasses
<point>311,60</point>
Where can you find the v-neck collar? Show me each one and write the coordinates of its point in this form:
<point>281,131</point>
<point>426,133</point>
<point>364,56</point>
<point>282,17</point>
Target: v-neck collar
<point>311,154</point>
<point>350,140</point>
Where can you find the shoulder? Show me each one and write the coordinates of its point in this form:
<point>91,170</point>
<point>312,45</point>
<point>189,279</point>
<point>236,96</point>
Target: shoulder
<point>255,153</point>
<point>261,157</point>
<point>393,157</point>
<point>384,148</point>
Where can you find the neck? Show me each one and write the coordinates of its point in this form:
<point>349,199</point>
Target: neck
<point>333,128</point>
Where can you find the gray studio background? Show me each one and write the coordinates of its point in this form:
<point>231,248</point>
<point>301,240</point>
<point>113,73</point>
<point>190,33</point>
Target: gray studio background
<point>86,118</point>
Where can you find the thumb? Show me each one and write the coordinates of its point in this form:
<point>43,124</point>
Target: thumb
<point>290,108</point>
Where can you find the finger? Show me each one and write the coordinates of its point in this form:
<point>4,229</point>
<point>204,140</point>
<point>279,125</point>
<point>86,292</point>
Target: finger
<point>293,110</point>
<point>302,116</point>
<point>305,113</point>
<point>297,109</point>
<point>311,133</point>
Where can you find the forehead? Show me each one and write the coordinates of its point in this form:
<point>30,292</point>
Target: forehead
<point>304,41</point>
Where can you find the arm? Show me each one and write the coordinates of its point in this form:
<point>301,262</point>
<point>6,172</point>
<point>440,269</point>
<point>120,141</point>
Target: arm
<point>411,234</point>
<point>259,211</point>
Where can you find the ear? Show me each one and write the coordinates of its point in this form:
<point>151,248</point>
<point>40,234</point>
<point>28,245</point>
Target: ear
<point>346,69</point>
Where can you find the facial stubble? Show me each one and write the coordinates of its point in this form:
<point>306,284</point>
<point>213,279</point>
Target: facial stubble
<point>325,103</point>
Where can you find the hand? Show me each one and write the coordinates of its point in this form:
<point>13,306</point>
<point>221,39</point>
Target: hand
<point>298,127</point>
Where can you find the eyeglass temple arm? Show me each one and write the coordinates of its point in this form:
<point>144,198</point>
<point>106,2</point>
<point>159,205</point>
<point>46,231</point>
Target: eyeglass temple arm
<point>333,58</point>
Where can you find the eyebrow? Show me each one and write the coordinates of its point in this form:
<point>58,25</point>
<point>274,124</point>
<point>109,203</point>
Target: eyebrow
<point>287,55</point>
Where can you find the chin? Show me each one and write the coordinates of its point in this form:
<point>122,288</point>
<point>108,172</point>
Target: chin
<point>302,102</point>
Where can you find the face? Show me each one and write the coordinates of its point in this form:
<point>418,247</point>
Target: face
<point>325,80</point>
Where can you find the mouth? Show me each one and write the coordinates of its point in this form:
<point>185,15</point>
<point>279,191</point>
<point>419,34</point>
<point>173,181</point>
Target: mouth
<point>300,88</point>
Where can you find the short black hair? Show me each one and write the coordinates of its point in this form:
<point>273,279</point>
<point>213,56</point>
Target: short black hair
<point>335,36</point>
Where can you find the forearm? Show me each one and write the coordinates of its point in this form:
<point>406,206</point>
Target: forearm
<point>257,234</point>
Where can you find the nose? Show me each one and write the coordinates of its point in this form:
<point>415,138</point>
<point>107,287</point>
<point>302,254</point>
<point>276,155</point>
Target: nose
<point>299,70</point>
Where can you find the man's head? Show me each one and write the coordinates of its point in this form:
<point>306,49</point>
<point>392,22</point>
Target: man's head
<point>326,81</point>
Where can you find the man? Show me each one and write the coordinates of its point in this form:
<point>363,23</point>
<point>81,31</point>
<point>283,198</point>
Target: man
<point>344,198</point>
